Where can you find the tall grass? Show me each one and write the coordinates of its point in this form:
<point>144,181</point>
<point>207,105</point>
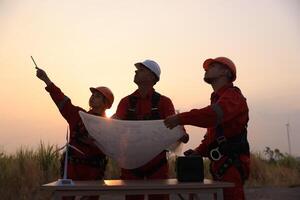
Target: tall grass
<point>282,172</point>
<point>22,173</point>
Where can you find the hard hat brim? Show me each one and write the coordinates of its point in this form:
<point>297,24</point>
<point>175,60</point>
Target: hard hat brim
<point>221,60</point>
<point>109,96</point>
<point>94,90</point>
<point>139,64</point>
<point>207,63</point>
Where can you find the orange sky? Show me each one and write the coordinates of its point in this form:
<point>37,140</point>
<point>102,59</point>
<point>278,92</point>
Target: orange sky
<point>90,43</point>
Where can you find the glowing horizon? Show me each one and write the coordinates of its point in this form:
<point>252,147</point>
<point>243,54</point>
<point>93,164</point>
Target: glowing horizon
<point>91,43</point>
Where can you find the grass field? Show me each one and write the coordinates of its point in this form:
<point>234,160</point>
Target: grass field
<point>24,172</point>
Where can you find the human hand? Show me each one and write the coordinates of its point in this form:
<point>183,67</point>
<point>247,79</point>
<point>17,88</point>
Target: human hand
<point>41,74</point>
<point>190,152</point>
<point>171,121</point>
<point>185,138</point>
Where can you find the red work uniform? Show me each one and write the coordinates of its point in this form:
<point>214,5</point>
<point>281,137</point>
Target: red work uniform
<point>229,112</point>
<point>134,107</point>
<point>91,165</point>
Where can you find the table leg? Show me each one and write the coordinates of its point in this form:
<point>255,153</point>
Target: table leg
<point>56,196</point>
<point>220,194</point>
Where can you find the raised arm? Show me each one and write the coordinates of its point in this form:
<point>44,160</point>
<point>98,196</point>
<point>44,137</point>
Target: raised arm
<point>63,103</point>
<point>42,75</point>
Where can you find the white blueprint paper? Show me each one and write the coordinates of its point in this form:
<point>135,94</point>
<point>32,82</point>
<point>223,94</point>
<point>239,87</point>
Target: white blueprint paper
<point>131,143</point>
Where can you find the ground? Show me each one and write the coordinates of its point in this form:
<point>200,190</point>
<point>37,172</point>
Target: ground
<point>261,193</point>
<point>273,193</point>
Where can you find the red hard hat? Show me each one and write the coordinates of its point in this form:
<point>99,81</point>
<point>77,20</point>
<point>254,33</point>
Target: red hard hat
<point>107,93</point>
<point>223,60</point>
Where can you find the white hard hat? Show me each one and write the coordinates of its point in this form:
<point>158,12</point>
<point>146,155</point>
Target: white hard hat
<point>151,65</point>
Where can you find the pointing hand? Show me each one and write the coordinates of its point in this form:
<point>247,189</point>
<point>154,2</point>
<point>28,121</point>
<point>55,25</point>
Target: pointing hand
<point>41,74</point>
<point>171,122</point>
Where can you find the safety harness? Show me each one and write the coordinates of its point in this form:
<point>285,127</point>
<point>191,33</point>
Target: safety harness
<point>92,161</point>
<point>231,147</point>
<point>153,115</point>
<point>80,136</point>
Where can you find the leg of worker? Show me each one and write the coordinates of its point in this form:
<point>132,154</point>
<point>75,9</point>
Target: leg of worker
<point>84,172</point>
<point>161,173</point>
<point>92,173</point>
<point>236,192</point>
<point>128,175</point>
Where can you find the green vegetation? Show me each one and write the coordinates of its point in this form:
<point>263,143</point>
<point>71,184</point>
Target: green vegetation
<point>274,169</point>
<point>24,172</point>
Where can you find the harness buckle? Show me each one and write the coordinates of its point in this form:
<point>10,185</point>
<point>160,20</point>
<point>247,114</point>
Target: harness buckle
<point>221,139</point>
<point>215,154</point>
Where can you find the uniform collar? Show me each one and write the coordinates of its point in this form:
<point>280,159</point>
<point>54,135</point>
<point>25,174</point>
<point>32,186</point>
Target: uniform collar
<point>101,115</point>
<point>221,91</point>
<point>138,95</point>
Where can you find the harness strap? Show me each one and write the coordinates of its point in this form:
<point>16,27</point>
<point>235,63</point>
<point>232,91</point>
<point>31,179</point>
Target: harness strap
<point>131,112</point>
<point>154,110</point>
<point>154,113</point>
<point>233,160</point>
<point>81,136</point>
<point>95,161</point>
<point>232,148</point>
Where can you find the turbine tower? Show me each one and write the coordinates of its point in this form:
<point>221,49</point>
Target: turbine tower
<point>288,136</point>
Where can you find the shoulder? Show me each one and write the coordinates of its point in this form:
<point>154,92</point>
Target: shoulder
<point>164,99</point>
<point>76,109</point>
<point>125,100</point>
<point>234,93</point>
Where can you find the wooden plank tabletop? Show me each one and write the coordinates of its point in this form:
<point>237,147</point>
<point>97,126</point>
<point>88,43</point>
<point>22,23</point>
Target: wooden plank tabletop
<point>171,184</point>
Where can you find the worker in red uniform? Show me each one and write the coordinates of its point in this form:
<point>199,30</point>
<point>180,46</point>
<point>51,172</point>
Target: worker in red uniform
<point>226,118</point>
<point>91,164</point>
<point>147,104</point>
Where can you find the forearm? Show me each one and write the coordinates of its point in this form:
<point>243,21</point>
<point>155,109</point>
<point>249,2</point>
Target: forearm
<point>204,117</point>
<point>47,81</point>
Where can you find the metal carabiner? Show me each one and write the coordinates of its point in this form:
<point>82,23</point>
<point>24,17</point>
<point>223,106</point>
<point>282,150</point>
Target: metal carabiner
<point>215,154</point>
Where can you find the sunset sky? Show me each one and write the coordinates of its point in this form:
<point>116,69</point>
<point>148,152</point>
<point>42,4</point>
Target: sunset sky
<point>83,43</point>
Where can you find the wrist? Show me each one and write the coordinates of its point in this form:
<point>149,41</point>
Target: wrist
<point>48,81</point>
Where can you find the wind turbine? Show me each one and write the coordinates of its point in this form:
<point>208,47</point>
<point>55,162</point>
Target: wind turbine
<point>288,136</point>
<point>65,180</point>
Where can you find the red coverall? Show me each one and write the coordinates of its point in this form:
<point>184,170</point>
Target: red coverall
<point>229,107</point>
<point>143,108</point>
<point>78,138</point>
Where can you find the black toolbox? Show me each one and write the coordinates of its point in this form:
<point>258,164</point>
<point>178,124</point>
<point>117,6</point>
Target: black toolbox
<point>189,169</point>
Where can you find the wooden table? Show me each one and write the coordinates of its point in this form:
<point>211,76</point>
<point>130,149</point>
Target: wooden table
<point>122,187</point>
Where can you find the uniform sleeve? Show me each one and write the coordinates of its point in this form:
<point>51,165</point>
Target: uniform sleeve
<point>63,103</point>
<point>121,109</point>
<point>202,149</point>
<point>230,105</point>
<point>166,107</point>
<point>169,110</point>
<point>204,117</point>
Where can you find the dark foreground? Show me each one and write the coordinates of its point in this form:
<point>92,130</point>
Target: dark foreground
<point>261,193</point>
<point>274,193</point>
